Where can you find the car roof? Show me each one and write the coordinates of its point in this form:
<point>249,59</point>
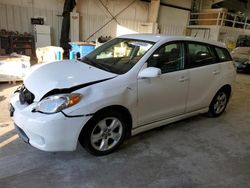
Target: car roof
<point>159,37</point>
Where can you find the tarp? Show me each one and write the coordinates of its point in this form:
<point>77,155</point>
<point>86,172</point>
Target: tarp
<point>13,67</point>
<point>68,7</point>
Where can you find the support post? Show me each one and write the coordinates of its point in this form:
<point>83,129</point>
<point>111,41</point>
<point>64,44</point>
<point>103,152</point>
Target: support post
<point>153,11</point>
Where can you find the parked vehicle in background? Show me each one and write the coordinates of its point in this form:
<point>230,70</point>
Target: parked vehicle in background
<point>128,85</point>
<point>241,54</point>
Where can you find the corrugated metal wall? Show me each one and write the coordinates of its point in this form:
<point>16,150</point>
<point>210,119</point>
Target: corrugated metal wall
<point>173,21</point>
<point>175,30</point>
<point>91,23</point>
<point>131,10</point>
<point>93,16</point>
<point>17,18</point>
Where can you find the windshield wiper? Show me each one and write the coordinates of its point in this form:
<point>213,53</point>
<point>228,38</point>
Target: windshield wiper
<point>98,65</point>
<point>86,60</point>
<point>101,66</point>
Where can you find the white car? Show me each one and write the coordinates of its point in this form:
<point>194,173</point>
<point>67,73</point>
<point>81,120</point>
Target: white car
<point>130,84</point>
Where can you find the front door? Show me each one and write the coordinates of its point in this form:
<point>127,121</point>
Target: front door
<point>164,96</point>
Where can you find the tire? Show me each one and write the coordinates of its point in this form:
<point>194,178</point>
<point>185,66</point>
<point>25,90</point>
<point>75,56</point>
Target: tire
<point>104,133</point>
<point>219,103</point>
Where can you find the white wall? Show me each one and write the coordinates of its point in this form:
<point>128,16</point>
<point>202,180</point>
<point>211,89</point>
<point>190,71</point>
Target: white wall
<point>173,21</point>
<point>137,11</point>
<point>173,16</point>
<point>15,16</point>
<point>212,32</point>
<point>93,16</point>
<point>41,4</point>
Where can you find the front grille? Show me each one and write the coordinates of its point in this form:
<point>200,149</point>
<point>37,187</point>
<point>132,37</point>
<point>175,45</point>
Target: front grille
<point>25,96</point>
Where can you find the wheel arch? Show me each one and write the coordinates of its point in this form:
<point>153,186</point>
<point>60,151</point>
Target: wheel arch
<point>227,88</point>
<point>118,108</point>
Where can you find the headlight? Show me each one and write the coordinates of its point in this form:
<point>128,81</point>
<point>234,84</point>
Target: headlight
<point>56,103</point>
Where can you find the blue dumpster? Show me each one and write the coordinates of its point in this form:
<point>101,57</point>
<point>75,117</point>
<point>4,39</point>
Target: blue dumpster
<point>82,48</point>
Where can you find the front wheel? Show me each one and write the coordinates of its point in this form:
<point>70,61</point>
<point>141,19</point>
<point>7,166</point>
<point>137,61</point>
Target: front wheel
<point>218,104</point>
<point>104,133</point>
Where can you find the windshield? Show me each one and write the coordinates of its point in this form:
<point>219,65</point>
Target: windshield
<point>118,55</point>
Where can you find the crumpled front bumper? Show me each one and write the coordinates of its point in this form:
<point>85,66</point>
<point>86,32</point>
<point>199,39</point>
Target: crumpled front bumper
<point>48,132</point>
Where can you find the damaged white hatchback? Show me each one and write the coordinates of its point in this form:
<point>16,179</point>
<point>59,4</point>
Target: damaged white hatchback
<point>130,84</point>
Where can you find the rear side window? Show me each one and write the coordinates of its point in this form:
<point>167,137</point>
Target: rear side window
<point>223,54</point>
<point>199,55</point>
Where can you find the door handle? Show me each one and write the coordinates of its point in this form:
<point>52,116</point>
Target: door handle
<point>215,72</point>
<point>183,79</point>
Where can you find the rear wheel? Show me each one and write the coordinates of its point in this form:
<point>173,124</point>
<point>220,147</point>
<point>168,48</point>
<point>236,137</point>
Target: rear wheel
<point>219,103</point>
<point>104,133</point>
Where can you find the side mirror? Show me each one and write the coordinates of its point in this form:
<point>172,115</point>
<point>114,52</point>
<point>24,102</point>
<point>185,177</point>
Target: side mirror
<point>150,72</point>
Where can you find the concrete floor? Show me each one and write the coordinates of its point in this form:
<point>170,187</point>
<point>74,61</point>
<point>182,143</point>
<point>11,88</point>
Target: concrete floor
<point>197,152</point>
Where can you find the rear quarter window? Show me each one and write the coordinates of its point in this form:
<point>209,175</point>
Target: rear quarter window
<point>223,54</point>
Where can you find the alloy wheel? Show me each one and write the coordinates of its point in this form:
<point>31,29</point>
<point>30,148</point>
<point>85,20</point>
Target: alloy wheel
<point>106,134</point>
<point>220,103</point>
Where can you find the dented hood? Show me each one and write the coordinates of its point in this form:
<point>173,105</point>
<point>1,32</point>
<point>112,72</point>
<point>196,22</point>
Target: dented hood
<point>44,78</point>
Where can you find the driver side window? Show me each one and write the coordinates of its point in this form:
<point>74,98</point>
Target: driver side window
<point>168,58</point>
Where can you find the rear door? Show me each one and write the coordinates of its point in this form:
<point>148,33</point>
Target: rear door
<point>205,75</point>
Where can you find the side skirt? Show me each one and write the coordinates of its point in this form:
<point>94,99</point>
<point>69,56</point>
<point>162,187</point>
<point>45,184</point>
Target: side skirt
<point>153,125</point>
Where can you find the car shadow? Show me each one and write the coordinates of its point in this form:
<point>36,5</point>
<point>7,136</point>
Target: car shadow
<point>129,144</point>
<point>243,72</point>
<point>181,125</point>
